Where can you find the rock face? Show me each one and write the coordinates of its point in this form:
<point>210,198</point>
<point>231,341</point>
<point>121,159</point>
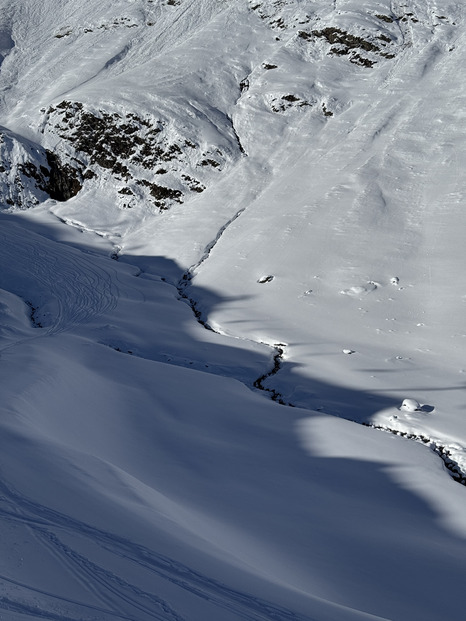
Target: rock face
<point>29,174</point>
<point>64,181</point>
<point>142,158</point>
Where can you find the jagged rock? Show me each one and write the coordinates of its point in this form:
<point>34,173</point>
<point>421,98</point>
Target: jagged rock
<point>30,174</point>
<point>128,150</point>
<point>64,181</point>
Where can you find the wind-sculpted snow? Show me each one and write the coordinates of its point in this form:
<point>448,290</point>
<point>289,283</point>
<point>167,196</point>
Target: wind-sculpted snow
<point>210,212</point>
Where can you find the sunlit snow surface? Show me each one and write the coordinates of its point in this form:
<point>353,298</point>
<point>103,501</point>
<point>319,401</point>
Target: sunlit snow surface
<point>143,474</point>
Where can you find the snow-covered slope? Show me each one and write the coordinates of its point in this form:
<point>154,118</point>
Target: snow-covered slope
<point>213,211</point>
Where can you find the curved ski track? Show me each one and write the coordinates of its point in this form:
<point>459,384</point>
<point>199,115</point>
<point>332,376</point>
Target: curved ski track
<point>77,287</point>
<point>114,592</point>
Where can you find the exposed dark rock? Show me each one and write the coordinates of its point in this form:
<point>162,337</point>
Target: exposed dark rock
<point>385,18</point>
<point>345,39</point>
<point>161,193</point>
<point>360,51</point>
<point>40,175</point>
<point>130,147</point>
<point>357,59</point>
<point>278,23</point>
<point>59,180</point>
<point>326,111</point>
<point>288,101</point>
<point>64,181</point>
<point>290,98</point>
<point>302,34</point>
<point>126,191</point>
<point>209,162</point>
<point>244,85</point>
<point>193,184</point>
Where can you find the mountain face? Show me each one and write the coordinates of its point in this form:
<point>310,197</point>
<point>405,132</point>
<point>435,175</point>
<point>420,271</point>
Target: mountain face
<point>232,310</point>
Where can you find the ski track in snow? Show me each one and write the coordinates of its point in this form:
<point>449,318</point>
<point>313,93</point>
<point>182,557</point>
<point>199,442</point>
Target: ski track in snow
<point>113,590</point>
<point>78,288</point>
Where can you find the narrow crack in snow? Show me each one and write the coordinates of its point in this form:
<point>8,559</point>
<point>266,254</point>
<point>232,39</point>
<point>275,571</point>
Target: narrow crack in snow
<point>445,452</point>
<point>33,315</point>
<point>259,383</point>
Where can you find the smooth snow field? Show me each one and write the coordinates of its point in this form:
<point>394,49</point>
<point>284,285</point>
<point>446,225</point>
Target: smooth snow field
<point>233,363</point>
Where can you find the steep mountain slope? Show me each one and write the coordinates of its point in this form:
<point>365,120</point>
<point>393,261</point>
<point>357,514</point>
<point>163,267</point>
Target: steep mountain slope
<point>213,211</point>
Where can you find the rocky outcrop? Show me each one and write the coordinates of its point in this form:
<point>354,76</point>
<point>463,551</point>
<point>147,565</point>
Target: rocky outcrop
<point>19,178</point>
<point>30,174</point>
<point>144,159</point>
<point>63,181</point>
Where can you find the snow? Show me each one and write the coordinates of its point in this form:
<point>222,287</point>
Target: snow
<point>151,464</point>
<point>410,405</point>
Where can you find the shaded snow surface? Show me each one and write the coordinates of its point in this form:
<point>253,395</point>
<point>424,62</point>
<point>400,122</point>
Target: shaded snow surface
<point>317,152</point>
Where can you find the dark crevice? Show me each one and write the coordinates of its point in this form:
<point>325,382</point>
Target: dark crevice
<point>181,287</point>
<point>277,364</point>
<point>238,140</point>
<point>32,315</point>
<point>441,450</point>
<point>64,181</point>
